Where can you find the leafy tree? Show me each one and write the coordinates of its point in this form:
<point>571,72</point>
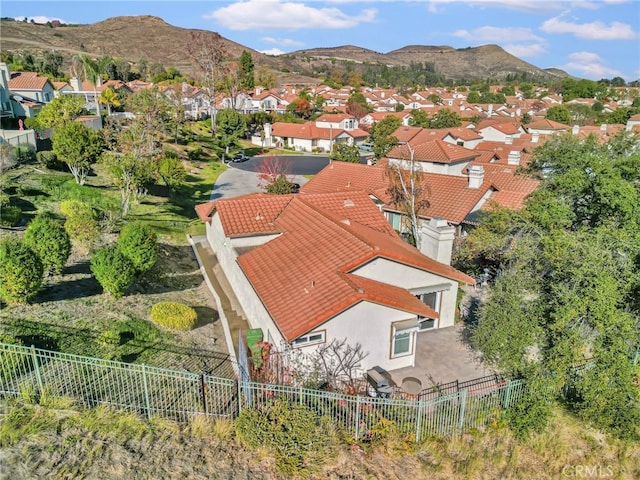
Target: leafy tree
<point>21,272</point>
<point>357,105</point>
<point>281,186</point>
<point>231,127</point>
<point>508,90</point>
<point>246,67</point>
<point>420,118</point>
<point>60,110</point>
<point>113,270</point>
<point>560,114</point>
<point>382,135</point>
<point>473,97</point>
<point>569,283</point>
<point>445,118</point>
<point>526,118</point>
<point>144,135</point>
<point>48,238</point>
<point>78,147</point>
<point>434,98</point>
<point>139,243</point>
<point>131,175</point>
<point>109,98</point>
<point>345,153</point>
<point>301,107</point>
<point>171,171</point>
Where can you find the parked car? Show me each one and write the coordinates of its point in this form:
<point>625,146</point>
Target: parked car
<point>239,157</point>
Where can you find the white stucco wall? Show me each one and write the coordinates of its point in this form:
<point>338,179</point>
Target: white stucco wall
<point>370,325</point>
<point>394,273</point>
<point>224,248</point>
<point>455,169</point>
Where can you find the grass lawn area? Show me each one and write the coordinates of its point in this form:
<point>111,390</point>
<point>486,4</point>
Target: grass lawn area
<point>71,314</point>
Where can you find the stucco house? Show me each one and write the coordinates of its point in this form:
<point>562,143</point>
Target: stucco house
<point>307,269</point>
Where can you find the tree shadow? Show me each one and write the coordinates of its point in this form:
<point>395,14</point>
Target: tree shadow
<point>69,289</point>
<point>81,267</point>
<point>206,315</point>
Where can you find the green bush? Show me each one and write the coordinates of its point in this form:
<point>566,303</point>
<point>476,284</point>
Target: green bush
<point>81,224</point>
<point>50,241</point>
<point>113,271</point>
<point>139,243</point>
<point>299,438</point>
<point>174,315</point>
<point>49,159</point>
<point>21,272</point>
<point>24,153</point>
<point>10,216</point>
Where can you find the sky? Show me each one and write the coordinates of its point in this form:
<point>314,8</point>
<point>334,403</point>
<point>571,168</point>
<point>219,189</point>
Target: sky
<point>591,39</point>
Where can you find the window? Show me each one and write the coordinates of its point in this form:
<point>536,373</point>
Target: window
<point>402,337</point>
<point>427,323</point>
<point>431,300</point>
<point>310,339</point>
<point>394,220</point>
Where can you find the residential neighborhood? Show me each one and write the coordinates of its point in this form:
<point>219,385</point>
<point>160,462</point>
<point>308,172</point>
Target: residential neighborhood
<point>433,260</point>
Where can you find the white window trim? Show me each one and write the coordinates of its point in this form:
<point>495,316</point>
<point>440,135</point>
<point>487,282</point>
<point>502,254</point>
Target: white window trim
<point>305,340</point>
<point>401,331</point>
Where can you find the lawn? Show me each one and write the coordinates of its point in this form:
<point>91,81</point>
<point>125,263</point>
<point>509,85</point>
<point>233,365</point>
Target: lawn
<point>71,313</point>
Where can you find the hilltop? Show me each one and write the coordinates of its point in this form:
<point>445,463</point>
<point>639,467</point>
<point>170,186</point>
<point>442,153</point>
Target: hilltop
<point>151,38</point>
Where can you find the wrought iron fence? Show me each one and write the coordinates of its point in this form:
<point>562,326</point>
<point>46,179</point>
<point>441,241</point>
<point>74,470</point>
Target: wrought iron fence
<point>179,395</point>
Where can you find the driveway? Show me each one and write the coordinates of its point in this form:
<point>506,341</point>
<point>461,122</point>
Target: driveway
<point>243,178</point>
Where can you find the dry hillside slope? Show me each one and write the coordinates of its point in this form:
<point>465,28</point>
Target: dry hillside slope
<point>151,38</point>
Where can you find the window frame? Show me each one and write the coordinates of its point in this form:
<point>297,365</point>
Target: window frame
<point>297,343</point>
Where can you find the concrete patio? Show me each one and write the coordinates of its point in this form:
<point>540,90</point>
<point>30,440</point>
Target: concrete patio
<point>442,356</point>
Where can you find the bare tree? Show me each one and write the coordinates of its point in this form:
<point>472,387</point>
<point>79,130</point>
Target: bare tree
<point>407,190</point>
<point>208,54</point>
<point>270,168</point>
<point>340,364</point>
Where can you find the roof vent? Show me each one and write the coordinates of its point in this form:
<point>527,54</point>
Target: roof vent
<point>259,216</point>
<point>346,221</point>
<point>349,203</point>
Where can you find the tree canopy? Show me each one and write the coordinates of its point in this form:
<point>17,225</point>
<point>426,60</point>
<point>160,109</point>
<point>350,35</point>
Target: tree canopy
<point>568,292</point>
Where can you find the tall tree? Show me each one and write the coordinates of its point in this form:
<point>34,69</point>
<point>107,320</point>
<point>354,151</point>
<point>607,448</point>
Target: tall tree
<point>569,288</point>
<point>357,105</point>
<point>231,127</point>
<point>382,135</point>
<point>560,114</point>
<point>78,147</point>
<point>407,190</point>
<point>109,98</point>
<point>247,80</point>
<point>92,70</point>
<point>131,174</point>
<point>208,54</point>
<point>445,118</point>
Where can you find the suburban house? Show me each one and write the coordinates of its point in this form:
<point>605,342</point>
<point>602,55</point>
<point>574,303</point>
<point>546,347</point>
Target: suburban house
<point>311,268</point>
<point>320,135</point>
<point>546,127</point>
<point>23,94</point>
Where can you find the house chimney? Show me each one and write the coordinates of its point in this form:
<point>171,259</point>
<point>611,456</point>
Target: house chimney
<point>437,240</point>
<point>575,130</point>
<point>476,176</point>
<point>535,136</point>
<point>508,140</point>
<point>76,84</point>
<point>514,157</point>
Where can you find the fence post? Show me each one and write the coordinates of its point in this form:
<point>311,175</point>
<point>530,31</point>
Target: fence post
<point>146,391</point>
<point>462,396</point>
<point>300,395</point>
<point>419,421</point>
<point>357,417</point>
<point>36,366</point>
<point>204,390</point>
<point>239,395</point>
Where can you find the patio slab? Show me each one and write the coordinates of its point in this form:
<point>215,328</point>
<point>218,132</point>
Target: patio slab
<point>442,356</point>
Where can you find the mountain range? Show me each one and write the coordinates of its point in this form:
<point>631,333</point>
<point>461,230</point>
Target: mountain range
<point>151,38</point>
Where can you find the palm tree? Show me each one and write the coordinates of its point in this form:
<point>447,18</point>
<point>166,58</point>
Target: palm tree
<point>109,97</point>
<point>92,72</point>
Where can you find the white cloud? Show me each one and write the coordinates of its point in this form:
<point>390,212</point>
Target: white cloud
<point>590,65</point>
<point>288,42</point>
<point>526,51</point>
<point>272,51</point>
<point>39,19</point>
<point>495,34</point>
<point>591,31</point>
<point>276,14</point>
<point>435,6</point>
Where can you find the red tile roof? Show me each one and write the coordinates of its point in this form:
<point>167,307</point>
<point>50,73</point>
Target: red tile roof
<point>437,151</point>
<point>546,124</point>
<point>27,81</point>
<point>304,276</point>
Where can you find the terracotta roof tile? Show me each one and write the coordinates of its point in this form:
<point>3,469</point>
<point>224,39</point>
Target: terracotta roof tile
<point>27,81</point>
<point>303,276</point>
<point>436,151</point>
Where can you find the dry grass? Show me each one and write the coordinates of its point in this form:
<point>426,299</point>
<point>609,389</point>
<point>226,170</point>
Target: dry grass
<point>101,443</point>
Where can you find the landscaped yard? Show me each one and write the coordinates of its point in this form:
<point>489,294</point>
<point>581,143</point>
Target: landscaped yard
<point>71,313</point>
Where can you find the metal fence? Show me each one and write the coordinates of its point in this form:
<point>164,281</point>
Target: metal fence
<point>179,395</point>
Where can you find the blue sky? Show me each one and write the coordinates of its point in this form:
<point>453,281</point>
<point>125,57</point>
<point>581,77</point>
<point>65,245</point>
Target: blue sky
<point>591,39</point>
